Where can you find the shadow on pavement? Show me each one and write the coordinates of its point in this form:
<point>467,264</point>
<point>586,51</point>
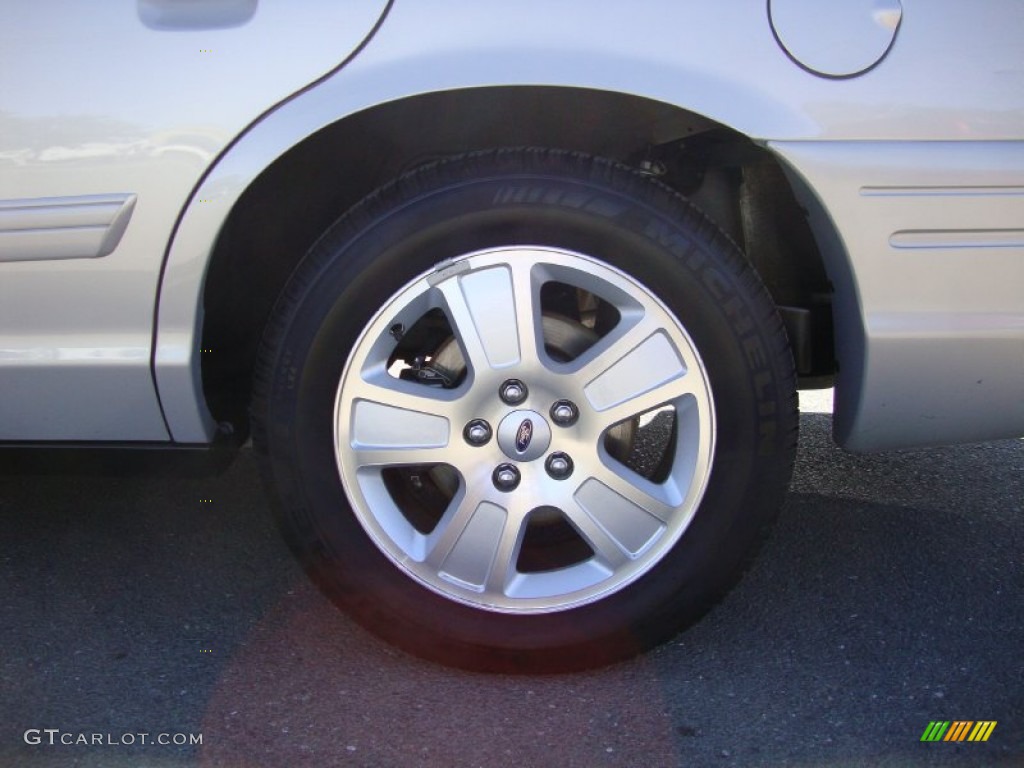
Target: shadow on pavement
<point>890,595</point>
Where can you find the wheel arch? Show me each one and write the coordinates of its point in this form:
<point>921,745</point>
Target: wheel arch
<point>251,220</point>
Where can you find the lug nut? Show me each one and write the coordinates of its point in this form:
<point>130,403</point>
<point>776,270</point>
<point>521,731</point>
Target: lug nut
<point>477,432</point>
<point>564,413</point>
<point>506,477</point>
<point>513,392</point>
<point>559,465</point>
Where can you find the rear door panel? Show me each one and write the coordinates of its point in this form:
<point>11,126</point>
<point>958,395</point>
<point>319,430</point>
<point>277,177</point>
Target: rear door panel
<point>129,101</point>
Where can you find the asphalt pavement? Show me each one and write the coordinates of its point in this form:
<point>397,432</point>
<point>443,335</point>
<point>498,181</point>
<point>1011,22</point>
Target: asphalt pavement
<point>891,595</point>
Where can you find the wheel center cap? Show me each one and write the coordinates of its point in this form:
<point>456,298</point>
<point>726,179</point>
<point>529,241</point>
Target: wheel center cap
<point>524,435</point>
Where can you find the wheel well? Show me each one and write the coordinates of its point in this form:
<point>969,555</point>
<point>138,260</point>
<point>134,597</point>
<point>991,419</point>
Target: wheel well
<point>300,195</point>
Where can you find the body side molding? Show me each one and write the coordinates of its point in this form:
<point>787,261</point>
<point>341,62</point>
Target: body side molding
<point>75,227</point>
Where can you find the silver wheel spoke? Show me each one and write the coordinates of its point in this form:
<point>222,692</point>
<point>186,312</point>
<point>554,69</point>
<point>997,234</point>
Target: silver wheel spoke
<point>384,434</point>
<point>472,558</point>
<point>405,397</point>
<point>398,456</point>
<point>451,526</point>
<point>631,332</point>
<point>528,316</point>
<point>478,546</point>
<point>379,425</point>
<point>504,564</point>
<point>397,425</point>
<point>622,513</point>
<point>641,362</point>
<point>493,315</point>
<point>661,394</point>
<point>607,549</point>
<point>650,498</point>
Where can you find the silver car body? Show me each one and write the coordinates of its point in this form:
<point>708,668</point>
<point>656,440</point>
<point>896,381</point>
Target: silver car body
<point>135,127</point>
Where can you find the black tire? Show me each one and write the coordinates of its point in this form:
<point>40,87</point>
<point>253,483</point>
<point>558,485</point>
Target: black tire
<point>624,225</point>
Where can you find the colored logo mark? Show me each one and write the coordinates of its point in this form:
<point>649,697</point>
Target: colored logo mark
<point>524,435</point>
<point>958,730</point>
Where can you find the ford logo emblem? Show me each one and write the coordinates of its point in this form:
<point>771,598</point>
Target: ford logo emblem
<point>523,435</point>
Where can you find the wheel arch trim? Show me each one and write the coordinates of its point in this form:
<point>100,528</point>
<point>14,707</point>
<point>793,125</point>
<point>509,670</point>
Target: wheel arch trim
<point>353,91</point>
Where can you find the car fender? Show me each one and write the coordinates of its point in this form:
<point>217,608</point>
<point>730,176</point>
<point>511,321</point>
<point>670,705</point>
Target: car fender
<point>696,56</point>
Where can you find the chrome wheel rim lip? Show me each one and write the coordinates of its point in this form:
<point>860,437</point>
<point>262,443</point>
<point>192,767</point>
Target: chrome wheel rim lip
<point>492,299</point>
